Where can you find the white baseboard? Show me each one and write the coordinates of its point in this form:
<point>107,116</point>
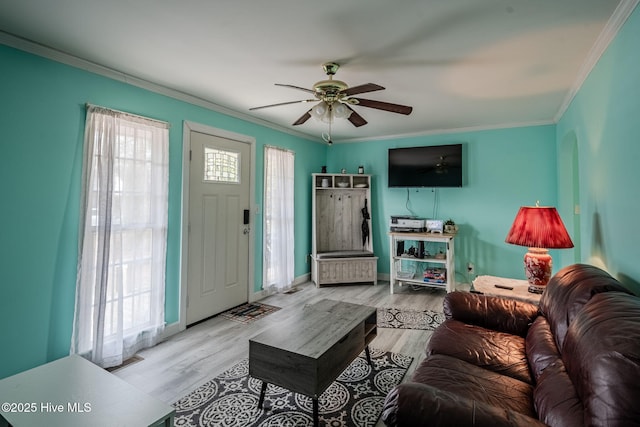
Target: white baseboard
<point>257,296</point>
<point>302,279</point>
<point>171,329</point>
<point>261,294</point>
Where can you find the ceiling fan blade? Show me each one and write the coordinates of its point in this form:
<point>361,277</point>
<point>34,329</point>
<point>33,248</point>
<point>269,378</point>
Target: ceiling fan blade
<point>367,87</point>
<point>306,116</point>
<point>296,87</point>
<point>356,119</point>
<point>282,103</point>
<point>386,106</point>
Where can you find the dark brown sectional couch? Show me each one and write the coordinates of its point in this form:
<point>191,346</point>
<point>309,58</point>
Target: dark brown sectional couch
<point>573,361</point>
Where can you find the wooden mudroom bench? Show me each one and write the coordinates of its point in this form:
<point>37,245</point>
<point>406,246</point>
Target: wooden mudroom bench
<point>342,247</point>
<point>350,266</point>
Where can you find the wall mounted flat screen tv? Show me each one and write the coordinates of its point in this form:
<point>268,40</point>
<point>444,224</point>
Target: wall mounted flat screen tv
<point>429,166</point>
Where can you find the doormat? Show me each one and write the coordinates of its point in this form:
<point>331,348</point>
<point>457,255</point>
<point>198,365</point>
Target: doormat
<point>355,398</point>
<point>402,318</point>
<point>248,313</point>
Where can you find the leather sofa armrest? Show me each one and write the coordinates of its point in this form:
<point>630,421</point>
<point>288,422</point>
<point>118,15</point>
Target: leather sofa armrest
<point>491,312</point>
<point>415,404</point>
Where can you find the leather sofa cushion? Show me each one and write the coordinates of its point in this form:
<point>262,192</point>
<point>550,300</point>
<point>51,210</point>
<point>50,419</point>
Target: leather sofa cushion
<point>496,351</point>
<point>500,314</point>
<point>568,291</point>
<point>476,384</point>
<point>555,396</point>
<point>602,357</point>
<point>540,347</point>
<point>556,400</point>
<point>415,404</point>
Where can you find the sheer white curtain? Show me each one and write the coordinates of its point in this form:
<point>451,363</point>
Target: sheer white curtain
<point>123,232</point>
<point>278,240</point>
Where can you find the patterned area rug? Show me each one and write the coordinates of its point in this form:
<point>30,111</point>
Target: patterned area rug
<point>354,399</point>
<point>247,313</point>
<point>409,319</point>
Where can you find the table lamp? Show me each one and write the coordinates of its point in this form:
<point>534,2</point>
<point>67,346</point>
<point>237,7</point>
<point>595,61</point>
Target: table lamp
<point>539,228</point>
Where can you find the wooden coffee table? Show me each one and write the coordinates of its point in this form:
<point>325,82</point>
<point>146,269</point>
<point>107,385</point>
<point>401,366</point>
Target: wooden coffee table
<point>306,352</point>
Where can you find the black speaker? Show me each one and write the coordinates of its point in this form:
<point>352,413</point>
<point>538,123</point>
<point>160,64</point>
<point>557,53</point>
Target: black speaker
<point>400,248</point>
<point>420,253</point>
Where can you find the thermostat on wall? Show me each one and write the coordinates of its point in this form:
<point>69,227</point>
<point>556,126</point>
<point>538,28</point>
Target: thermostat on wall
<point>435,226</point>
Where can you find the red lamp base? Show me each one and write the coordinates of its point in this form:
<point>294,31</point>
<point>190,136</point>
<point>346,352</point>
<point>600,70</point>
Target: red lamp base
<point>537,267</point>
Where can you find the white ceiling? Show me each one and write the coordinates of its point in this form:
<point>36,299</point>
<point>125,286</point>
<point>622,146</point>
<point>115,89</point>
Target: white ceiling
<point>461,64</point>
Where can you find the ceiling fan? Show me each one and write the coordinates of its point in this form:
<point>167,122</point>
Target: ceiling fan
<point>336,99</point>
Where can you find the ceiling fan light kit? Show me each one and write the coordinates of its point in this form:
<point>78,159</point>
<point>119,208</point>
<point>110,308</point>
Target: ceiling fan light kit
<point>335,100</point>
<point>327,113</point>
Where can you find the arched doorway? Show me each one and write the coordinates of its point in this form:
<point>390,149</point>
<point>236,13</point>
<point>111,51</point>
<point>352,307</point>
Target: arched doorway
<point>569,193</point>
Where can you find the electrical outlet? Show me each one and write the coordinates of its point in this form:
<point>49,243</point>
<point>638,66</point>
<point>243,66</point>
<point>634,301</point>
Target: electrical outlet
<point>471,269</point>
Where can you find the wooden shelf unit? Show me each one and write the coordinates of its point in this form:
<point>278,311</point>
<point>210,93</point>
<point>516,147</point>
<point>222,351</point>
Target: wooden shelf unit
<point>338,254</point>
<point>397,276</point>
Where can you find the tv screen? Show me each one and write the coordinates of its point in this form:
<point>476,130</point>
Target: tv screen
<point>429,166</point>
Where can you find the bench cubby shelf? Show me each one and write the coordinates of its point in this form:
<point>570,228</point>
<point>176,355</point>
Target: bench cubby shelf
<point>338,254</point>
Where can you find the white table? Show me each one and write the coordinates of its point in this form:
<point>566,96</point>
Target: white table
<point>486,285</point>
<point>74,392</point>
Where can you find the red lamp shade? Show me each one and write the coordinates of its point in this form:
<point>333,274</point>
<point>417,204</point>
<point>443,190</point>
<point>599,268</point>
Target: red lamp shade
<point>539,228</point>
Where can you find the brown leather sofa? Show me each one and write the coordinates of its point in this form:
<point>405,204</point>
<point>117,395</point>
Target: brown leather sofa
<point>573,361</point>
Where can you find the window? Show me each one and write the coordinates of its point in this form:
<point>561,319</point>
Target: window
<point>121,279</point>
<point>221,166</point>
<point>278,241</point>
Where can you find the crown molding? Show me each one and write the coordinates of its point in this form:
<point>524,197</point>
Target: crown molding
<point>616,21</point>
<point>56,55</point>
<point>449,131</point>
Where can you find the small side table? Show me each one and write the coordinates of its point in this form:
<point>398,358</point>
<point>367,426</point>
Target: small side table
<point>486,285</point>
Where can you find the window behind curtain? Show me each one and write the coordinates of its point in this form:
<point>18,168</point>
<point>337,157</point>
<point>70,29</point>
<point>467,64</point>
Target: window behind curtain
<point>278,241</point>
<point>121,267</point>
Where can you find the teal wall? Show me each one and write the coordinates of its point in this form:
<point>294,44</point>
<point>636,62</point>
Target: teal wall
<point>603,125</point>
<point>503,170</point>
<point>41,129</point>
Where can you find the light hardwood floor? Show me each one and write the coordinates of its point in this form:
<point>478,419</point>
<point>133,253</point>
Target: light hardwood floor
<point>190,358</point>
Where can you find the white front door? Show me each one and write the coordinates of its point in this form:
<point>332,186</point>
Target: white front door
<point>219,193</point>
